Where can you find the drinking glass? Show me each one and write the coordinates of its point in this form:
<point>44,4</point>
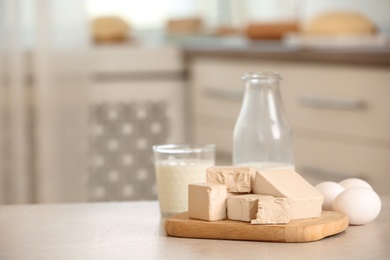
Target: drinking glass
<point>176,166</point>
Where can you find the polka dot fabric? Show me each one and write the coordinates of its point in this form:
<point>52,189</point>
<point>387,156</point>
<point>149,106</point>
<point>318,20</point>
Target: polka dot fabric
<point>121,159</point>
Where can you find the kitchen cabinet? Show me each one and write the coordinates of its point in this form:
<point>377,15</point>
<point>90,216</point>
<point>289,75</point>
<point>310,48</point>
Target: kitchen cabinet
<point>136,102</point>
<point>339,113</point>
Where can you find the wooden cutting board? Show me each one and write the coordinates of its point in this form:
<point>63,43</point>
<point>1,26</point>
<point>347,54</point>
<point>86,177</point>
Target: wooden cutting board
<point>330,223</point>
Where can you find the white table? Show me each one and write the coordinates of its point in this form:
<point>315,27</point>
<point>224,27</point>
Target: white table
<point>134,230</point>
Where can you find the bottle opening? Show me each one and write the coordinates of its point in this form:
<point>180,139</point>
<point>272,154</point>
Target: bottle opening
<point>267,76</point>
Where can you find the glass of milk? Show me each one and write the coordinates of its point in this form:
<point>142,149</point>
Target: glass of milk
<point>178,165</point>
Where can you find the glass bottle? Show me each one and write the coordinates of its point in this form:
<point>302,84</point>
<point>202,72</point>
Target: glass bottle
<point>262,135</point>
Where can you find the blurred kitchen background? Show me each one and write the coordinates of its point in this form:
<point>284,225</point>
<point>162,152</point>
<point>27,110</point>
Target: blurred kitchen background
<point>87,87</point>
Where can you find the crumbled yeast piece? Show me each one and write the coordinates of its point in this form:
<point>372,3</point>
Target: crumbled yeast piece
<point>236,179</point>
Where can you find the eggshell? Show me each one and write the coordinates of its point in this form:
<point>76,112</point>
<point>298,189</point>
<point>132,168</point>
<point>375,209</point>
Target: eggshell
<point>330,190</point>
<point>362,205</point>
<point>354,182</point>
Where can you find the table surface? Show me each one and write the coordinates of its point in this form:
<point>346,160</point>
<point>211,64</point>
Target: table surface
<point>134,230</point>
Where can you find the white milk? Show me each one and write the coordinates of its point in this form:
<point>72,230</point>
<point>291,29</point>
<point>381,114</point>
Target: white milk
<point>173,178</point>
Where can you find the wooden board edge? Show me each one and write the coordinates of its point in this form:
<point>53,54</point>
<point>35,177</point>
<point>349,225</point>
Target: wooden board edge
<point>181,226</point>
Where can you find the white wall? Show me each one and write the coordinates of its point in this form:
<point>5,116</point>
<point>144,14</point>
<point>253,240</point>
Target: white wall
<point>151,14</point>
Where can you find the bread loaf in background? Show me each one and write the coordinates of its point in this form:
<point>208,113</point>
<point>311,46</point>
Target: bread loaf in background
<point>110,29</point>
<point>270,31</point>
<point>189,25</point>
<point>340,23</point>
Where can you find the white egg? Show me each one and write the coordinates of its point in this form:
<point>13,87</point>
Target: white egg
<point>362,205</point>
<point>354,182</point>
<point>330,190</point>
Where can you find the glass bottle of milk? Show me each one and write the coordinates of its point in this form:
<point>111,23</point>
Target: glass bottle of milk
<point>262,135</point>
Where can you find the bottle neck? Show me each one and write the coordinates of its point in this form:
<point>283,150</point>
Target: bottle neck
<point>262,86</point>
<point>262,98</point>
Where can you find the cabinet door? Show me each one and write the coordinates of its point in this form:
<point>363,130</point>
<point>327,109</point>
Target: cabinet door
<point>322,159</point>
<point>339,99</point>
<point>126,120</point>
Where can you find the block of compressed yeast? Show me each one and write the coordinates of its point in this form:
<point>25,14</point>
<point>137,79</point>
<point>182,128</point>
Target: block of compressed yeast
<point>272,210</point>
<point>207,201</point>
<point>236,179</point>
<point>233,194</point>
<point>306,201</point>
<point>243,207</point>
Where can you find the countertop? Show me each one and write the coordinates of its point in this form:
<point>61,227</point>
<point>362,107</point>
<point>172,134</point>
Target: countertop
<point>134,230</point>
<point>277,50</point>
